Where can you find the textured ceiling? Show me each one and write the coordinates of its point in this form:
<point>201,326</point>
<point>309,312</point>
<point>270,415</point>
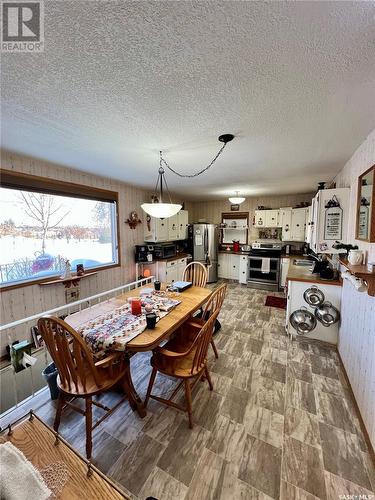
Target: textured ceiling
<point>119,80</point>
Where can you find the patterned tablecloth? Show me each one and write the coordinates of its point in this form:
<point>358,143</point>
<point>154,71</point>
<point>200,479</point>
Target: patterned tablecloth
<point>113,330</point>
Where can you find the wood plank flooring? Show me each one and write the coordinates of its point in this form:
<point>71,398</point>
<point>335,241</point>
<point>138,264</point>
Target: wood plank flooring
<point>279,423</point>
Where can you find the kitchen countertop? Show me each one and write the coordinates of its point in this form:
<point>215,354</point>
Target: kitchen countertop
<point>302,273</point>
<point>234,253</point>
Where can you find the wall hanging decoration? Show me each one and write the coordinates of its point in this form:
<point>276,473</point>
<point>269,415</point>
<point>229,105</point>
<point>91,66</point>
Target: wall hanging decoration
<point>161,209</point>
<point>333,220</point>
<point>133,220</point>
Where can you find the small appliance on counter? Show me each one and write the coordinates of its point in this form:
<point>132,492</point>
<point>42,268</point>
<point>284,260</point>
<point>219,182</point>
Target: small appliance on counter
<point>144,253</point>
<point>165,250</point>
<point>236,246</point>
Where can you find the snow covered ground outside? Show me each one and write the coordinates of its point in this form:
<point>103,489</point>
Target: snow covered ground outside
<point>15,248</point>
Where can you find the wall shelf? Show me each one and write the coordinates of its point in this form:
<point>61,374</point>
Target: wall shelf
<point>68,282</point>
<point>362,272</point>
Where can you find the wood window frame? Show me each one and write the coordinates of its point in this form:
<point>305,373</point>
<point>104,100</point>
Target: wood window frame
<point>21,181</point>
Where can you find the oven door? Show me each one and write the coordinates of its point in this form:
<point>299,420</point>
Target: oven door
<point>255,270</point>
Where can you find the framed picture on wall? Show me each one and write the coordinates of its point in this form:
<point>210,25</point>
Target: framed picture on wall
<point>234,208</point>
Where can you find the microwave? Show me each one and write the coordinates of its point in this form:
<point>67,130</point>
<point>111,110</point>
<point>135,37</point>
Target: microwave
<point>165,250</point>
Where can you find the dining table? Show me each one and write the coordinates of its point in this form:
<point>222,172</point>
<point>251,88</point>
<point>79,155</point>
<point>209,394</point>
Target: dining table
<point>190,300</point>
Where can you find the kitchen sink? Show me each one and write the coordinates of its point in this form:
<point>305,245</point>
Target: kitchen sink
<point>302,262</point>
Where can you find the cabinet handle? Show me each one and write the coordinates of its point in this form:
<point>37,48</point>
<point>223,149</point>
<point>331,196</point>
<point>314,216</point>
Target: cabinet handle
<point>297,225</point>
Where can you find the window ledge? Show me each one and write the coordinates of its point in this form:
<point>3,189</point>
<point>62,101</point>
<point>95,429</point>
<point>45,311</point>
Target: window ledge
<point>68,282</point>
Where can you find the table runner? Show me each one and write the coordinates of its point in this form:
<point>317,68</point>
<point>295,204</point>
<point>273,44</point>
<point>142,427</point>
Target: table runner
<point>113,330</point>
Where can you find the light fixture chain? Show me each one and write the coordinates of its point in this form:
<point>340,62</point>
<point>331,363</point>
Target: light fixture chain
<point>197,173</point>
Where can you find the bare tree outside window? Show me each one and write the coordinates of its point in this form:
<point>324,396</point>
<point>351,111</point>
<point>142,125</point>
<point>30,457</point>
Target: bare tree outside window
<point>44,209</point>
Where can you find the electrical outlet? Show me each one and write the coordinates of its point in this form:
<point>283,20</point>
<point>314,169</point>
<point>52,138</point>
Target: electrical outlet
<point>71,294</point>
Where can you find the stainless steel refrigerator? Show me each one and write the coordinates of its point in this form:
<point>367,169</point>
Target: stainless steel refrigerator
<point>205,247</point>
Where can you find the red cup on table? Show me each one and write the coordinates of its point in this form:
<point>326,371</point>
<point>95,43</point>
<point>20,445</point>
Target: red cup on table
<point>136,307</point>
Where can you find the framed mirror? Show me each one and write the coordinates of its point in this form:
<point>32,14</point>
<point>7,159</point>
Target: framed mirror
<point>365,226</point>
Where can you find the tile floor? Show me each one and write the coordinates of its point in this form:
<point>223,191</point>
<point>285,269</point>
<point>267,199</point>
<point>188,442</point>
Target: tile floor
<point>280,422</point>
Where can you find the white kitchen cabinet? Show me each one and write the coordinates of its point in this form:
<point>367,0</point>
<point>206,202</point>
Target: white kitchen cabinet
<point>171,270</point>
<point>260,218</point>
<point>330,224</point>
<point>229,266</point>
<point>308,225</point>
<point>286,223</point>
<point>284,271</point>
<point>243,270</point>
<point>183,223</point>
<point>298,223</point>
<point>272,218</point>
<point>223,265</point>
<point>234,267</point>
<point>266,218</point>
<point>155,230</point>
<point>171,229</point>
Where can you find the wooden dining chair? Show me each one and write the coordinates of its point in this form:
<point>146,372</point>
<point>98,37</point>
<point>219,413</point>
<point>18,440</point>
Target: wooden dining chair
<point>195,272</point>
<point>184,357</point>
<point>213,305</point>
<point>79,375</point>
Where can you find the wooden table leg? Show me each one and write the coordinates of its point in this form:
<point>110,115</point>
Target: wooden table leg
<point>134,400</point>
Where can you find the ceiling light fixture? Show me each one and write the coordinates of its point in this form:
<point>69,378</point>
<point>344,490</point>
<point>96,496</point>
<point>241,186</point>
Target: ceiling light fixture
<point>237,200</point>
<point>157,208</point>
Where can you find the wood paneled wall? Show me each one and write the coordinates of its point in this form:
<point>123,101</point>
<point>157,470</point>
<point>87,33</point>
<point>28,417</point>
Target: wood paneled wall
<point>22,302</point>
<point>357,330</point>
<point>211,211</point>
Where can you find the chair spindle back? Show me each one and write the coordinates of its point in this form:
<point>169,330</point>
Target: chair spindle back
<point>215,302</point>
<point>195,272</point>
<point>202,341</point>
<point>69,352</point>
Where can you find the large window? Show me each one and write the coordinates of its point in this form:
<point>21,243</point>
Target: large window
<point>44,224</point>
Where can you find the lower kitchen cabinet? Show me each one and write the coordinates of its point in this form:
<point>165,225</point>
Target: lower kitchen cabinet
<point>233,267</point>
<point>171,270</point>
<point>284,271</point>
<point>243,269</point>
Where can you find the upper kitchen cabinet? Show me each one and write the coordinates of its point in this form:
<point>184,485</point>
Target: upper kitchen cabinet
<point>272,218</point>
<point>293,223</point>
<point>330,215</point>
<point>285,217</point>
<point>171,229</point>
<point>259,218</point>
<point>298,224</point>
<point>183,224</point>
<point>266,218</point>
<point>155,230</point>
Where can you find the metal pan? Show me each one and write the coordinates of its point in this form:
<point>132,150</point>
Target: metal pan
<point>302,320</point>
<point>327,314</point>
<point>313,296</point>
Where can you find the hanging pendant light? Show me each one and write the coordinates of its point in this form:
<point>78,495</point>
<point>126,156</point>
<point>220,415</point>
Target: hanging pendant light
<point>162,210</point>
<point>158,208</point>
<point>237,200</point>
